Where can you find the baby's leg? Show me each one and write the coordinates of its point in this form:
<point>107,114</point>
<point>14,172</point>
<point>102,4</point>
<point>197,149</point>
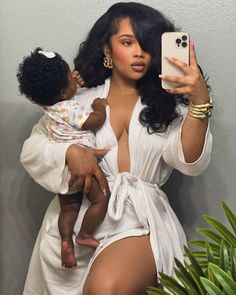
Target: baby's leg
<point>70,205</point>
<point>93,216</point>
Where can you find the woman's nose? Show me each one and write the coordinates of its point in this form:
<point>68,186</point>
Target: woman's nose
<point>138,51</point>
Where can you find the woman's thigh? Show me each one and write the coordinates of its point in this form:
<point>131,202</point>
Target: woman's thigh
<point>126,267</point>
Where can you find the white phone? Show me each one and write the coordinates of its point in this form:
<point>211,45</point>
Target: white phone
<point>173,44</point>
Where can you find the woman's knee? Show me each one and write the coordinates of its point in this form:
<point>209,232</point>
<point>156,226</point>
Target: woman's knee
<point>104,286</point>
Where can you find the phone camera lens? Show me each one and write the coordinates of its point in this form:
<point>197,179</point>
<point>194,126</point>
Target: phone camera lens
<point>184,44</point>
<point>178,41</point>
<point>184,37</point>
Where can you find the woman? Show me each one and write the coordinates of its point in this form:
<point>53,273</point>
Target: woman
<point>148,134</point>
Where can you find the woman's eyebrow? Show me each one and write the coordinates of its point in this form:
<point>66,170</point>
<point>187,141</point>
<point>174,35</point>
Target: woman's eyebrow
<point>127,35</point>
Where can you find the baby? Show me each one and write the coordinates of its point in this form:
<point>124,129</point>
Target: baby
<point>45,79</point>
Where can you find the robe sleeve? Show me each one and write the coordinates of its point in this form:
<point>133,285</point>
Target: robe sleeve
<point>173,153</point>
<point>44,160</point>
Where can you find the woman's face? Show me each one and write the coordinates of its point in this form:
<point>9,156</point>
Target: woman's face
<point>129,59</point>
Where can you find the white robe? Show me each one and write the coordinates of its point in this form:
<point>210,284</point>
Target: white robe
<point>137,205</point>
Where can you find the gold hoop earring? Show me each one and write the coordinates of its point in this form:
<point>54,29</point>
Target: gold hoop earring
<point>107,62</point>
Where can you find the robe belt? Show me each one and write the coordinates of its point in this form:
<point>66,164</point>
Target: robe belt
<point>128,188</point>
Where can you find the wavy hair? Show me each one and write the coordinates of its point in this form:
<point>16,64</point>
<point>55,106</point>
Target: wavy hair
<point>148,25</point>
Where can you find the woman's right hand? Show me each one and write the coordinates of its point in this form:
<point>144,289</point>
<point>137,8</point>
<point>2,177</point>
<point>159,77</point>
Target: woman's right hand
<point>83,167</point>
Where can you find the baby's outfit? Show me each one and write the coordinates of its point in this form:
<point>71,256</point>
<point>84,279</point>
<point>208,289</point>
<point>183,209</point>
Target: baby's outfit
<point>64,122</point>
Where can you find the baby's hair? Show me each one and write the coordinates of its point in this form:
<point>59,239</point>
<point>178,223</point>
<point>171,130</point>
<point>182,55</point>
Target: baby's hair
<point>41,78</point>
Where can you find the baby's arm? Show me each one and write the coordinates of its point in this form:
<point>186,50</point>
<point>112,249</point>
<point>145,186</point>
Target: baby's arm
<point>97,117</point>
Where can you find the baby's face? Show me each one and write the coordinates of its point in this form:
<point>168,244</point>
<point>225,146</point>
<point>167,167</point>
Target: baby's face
<point>70,91</point>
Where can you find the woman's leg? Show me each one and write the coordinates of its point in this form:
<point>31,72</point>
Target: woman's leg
<point>126,267</point>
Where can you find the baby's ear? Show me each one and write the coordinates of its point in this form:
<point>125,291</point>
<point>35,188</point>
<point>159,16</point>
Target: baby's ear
<point>63,94</point>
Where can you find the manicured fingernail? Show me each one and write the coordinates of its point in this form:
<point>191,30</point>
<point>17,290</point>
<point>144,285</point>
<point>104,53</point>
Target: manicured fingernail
<point>161,76</point>
<point>104,192</point>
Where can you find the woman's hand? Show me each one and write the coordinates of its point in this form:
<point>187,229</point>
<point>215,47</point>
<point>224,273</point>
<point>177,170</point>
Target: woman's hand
<point>194,87</point>
<point>192,84</point>
<point>78,79</point>
<point>83,167</point>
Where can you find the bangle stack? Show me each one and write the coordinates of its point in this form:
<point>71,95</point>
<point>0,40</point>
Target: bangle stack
<point>201,111</point>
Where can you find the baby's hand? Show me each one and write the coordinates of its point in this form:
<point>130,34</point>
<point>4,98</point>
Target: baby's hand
<point>99,102</point>
<point>78,79</point>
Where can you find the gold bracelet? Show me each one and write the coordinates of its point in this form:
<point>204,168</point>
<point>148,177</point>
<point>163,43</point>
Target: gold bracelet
<point>201,111</point>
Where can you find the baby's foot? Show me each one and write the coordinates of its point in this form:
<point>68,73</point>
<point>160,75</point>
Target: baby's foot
<point>86,240</point>
<point>67,254</point>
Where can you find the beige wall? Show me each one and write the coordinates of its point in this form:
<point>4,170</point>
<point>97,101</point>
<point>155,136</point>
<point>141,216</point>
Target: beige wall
<point>61,25</point>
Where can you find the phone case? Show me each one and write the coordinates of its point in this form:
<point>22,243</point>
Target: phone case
<point>174,44</point>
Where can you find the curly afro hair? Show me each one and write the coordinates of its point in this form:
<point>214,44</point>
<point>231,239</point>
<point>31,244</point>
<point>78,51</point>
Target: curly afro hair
<point>41,79</point>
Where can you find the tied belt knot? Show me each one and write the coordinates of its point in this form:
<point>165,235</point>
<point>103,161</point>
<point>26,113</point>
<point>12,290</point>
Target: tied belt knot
<point>127,188</point>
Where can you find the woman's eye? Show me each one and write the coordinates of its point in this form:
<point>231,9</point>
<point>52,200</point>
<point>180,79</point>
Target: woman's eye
<point>127,43</point>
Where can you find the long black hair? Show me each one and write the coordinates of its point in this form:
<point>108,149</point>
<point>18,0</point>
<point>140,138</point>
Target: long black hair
<point>148,25</point>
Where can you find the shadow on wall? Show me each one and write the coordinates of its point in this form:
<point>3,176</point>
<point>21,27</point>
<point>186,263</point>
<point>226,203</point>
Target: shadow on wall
<point>177,198</point>
<point>191,197</point>
<point>23,202</point>
<point>31,202</point>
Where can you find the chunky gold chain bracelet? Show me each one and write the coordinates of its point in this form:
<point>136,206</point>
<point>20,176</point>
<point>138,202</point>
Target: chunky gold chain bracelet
<point>201,111</point>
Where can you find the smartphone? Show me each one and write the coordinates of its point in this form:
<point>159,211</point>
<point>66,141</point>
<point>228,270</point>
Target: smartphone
<point>174,44</point>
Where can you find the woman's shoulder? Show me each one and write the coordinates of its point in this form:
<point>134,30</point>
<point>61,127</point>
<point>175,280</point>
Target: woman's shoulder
<point>85,96</point>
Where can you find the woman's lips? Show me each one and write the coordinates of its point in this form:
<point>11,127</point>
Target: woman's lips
<point>138,67</point>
